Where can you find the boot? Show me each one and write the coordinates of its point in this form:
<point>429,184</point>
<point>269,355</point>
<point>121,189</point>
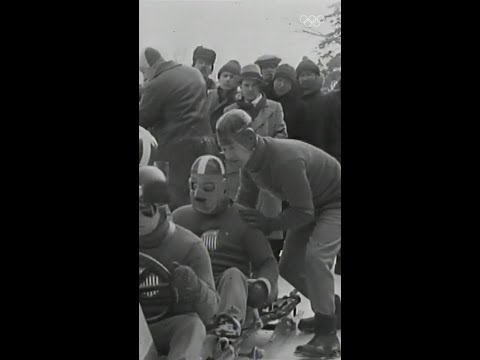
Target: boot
<point>307,325</point>
<point>325,343</point>
<point>227,326</point>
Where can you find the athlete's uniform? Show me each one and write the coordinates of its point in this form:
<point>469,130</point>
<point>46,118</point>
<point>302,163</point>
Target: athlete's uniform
<point>181,335</point>
<point>239,253</point>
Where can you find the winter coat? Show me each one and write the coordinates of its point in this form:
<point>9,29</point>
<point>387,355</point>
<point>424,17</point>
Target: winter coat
<point>294,113</point>
<point>173,104</point>
<point>324,121</point>
<point>210,84</point>
<point>267,89</point>
<point>269,122</point>
<point>216,106</point>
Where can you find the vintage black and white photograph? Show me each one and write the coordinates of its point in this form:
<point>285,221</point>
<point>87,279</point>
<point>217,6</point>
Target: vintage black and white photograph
<point>239,179</point>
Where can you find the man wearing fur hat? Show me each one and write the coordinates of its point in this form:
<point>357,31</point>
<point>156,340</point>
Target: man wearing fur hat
<point>173,109</point>
<point>204,61</point>
<point>268,64</point>
<point>323,127</point>
<point>226,93</point>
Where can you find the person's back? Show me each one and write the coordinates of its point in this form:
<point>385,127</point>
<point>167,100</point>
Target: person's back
<point>173,104</point>
<point>281,157</point>
<point>174,109</point>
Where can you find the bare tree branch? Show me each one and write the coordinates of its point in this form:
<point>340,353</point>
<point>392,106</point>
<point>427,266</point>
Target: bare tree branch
<point>310,32</point>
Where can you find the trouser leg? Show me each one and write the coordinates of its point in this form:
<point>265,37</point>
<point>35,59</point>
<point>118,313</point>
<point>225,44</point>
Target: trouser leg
<point>181,337</point>
<point>233,290</point>
<point>308,257</point>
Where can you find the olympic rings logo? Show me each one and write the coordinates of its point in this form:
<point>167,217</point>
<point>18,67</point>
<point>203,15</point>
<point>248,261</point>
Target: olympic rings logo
<point>312,20</point>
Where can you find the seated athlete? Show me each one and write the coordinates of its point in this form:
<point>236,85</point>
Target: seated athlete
<point>181,335</point>
<point>237,251</point>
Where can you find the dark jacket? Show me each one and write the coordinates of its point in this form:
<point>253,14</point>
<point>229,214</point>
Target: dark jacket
<point>210,84</point>
<point>217,100</point>
<point>324,122</point>
<point>294,114</point>
<point>267,89</point>
<point>173,104</point>
<point>182,246</point>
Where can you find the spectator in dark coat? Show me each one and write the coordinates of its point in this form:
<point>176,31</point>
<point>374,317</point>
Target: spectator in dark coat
<point>323,123</point>
<point>226,93</point>
<point>173,109</point>
<point>268,64</point>
<point>286,92</point>
<point>204,61</point>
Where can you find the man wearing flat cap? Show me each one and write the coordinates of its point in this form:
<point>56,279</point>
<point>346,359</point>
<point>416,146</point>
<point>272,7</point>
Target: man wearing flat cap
<point>268,64</point>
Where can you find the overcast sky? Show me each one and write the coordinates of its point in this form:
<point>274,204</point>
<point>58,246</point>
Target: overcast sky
<point>241,30</point>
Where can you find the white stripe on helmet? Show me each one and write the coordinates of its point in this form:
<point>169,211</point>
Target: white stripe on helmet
<point>202,165</point>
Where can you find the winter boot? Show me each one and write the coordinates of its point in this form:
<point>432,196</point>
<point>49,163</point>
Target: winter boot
<point>325,343</point>
<point>227,326</point>
<point>308,324</point>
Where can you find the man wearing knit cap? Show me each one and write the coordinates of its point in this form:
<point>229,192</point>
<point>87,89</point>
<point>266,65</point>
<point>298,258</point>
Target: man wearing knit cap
<point>173,109</point>
<point>268,64</point>
<point>323,127</point>
<point>204,61</point>
<point>286,92</point>
<point>226,93</point>
<point>310,180</point>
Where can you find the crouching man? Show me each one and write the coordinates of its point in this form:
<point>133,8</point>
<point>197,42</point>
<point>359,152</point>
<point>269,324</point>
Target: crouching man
<point>310,181</point>
<point>181,335</point>
<point>244,267</point>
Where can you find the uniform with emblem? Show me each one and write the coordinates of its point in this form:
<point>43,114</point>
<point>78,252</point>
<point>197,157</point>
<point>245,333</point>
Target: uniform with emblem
<point>243,264</point>
<point>182,334</point>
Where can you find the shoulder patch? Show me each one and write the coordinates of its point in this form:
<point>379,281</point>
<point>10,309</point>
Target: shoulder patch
<point>209,239</point>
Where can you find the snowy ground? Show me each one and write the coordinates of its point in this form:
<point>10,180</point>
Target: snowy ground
<point>283,348</point>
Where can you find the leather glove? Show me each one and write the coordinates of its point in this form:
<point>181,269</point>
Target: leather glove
<point>257,294</point>
<point>186,282</point>
<point>257,220</point>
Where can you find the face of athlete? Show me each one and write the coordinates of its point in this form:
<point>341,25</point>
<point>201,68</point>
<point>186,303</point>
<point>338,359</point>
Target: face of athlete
<point>207,193</point>
<point>150,216</point>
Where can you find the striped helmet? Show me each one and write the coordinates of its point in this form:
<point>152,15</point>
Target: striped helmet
<point>208,189</point>
<point>208,165</point>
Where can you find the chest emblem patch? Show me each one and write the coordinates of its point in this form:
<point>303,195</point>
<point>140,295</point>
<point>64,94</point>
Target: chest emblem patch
<point>209,239</point>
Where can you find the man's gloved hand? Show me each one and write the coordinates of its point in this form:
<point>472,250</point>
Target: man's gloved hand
<point>186,282</point>
<point>257,220</point>
<point>257,294</point>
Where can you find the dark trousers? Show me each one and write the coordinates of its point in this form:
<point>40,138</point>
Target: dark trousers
<point>179,157</point>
